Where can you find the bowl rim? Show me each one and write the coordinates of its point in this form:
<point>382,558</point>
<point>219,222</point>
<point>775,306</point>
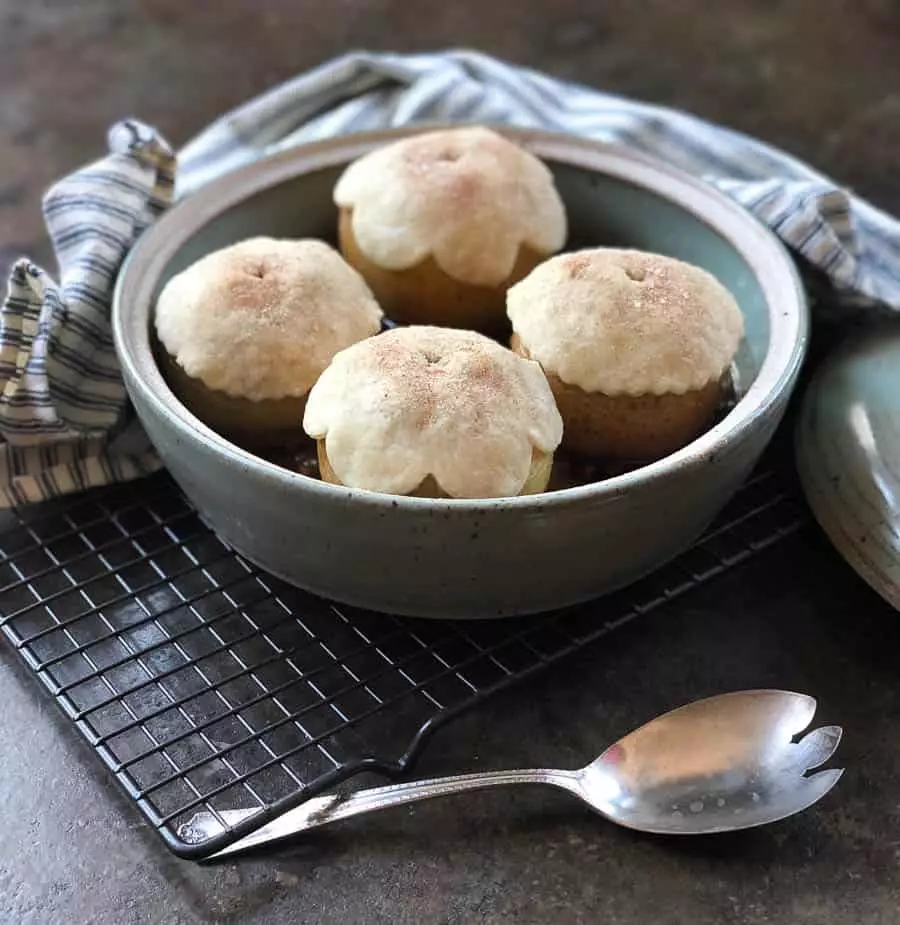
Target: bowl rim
<point>760,249</point>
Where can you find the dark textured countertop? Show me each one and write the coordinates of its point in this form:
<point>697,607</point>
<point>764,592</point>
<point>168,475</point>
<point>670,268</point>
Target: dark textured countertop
<point>818,77</point>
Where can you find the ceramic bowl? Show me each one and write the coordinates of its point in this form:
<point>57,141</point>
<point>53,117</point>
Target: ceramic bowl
<point>483,558</point>
<point>848,454</point>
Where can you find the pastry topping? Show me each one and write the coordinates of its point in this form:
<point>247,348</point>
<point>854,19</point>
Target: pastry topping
<point>421,401</point>
<point>262,318</point>
<point>465,196</point>
<point>626,322</point>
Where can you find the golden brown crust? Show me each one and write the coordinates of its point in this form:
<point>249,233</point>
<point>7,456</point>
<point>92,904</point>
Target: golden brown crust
<point>641,428</point>
<point>425,294</point>
<point>255,425</point>
<point>632,427</point>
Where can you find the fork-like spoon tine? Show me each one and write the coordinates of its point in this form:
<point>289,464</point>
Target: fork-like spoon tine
<point>814,749</point>
<point>818,784</point>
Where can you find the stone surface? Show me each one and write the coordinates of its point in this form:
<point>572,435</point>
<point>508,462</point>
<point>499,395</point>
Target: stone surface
<point>818,77</point>
<point>71,849</point>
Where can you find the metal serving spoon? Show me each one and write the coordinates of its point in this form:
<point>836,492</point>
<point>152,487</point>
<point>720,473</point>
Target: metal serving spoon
<point>725,763</point>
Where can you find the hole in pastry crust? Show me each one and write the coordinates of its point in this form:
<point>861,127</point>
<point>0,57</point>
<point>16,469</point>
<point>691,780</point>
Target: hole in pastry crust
<point>578,266</point>
<point>638,274</point>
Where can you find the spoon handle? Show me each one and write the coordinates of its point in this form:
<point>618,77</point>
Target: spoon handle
<point>320,811</point>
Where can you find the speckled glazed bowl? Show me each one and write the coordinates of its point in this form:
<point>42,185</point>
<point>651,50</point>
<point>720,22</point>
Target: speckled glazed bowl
<point>467,559</point>
<point>848,453</point>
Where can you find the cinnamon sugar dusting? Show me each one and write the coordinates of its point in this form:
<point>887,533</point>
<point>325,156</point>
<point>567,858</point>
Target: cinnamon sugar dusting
<point>425,401</point>
<point>465,196</point>
<point>626,322</point>
<point>262,318</point>
<point>577,265</point>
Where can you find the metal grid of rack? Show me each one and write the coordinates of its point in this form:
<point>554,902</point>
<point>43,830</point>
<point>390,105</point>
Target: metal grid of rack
<point>204,684</point>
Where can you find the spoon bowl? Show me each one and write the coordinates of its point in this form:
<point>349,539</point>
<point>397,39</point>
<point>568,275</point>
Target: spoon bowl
<point>716,765</point>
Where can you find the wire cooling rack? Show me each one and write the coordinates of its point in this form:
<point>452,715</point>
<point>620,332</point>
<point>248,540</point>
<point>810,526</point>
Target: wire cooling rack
<point>205,685</point>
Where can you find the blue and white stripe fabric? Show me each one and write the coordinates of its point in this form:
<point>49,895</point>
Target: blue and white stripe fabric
<point>62,404</point>
<point>64,419</point>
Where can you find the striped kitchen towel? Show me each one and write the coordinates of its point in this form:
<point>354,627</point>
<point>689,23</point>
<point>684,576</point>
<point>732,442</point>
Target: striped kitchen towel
<point>65,424</point>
